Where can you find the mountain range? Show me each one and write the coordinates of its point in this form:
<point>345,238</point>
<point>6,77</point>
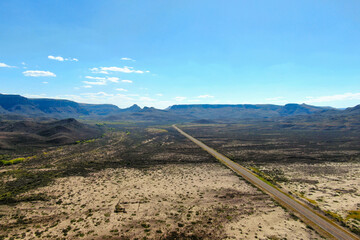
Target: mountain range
<point>16,106</point>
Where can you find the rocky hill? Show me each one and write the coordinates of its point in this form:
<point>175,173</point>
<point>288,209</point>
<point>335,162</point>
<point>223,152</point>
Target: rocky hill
<point>31,133</point>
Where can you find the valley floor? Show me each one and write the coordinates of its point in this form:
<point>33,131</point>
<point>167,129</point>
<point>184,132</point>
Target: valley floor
<point>152,183</point>
<point>186,201</point>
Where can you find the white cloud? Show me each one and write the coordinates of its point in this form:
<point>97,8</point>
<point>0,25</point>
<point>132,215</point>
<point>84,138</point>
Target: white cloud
<point>61,59</point>
<point>113,79</point>
<point>35,73</point>
<point>121,89</point>
<point>180,99</point>
<point>159,94</point>
<point>95,78</point>
<point>205,96</point>
<point>87,86</point>
<point>45,82</point>
<point>106,70</point>
<point>126,81</point>
<point>100,82</point>
<point>5,65</point>
<point>123,70</point>
<point>127,59</point>
<point>333,98</point>
<point>97,70</point>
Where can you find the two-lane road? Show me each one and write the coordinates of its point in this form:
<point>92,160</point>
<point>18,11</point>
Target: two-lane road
<point>320,223</point>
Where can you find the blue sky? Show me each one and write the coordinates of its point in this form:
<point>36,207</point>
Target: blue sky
<point>159,53</point>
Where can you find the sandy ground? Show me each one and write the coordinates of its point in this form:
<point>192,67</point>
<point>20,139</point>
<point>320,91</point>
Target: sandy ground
<point>188,201</point>
<point>333,187</point>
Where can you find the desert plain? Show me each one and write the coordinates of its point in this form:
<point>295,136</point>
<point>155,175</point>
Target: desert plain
<point>152,183</point>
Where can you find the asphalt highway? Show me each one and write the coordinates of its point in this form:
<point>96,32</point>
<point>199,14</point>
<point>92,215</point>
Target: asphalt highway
<point>320,223</point>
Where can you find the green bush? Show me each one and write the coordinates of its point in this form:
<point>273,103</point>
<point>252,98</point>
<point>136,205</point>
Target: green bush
<point>12,161</point>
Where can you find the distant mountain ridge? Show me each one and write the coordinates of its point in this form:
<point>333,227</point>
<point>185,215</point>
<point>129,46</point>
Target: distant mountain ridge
<point>241,111</point>
<point>59,108</point>
<point>11,105</point>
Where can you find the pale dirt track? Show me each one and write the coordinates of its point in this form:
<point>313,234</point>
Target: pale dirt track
<point>320,223</point>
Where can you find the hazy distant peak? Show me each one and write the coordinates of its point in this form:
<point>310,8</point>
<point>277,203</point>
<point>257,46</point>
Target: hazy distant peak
<point>133,108</point>
<point>355,109</point>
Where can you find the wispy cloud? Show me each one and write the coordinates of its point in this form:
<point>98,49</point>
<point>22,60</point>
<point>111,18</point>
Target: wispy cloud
<point>205,96</point>
<point>42,95</point>
<point>123,97</point>
<point>113,79</point>
<point>95,78</point>
<point>274,99</point>
<point>101,80</point>
<point>98,70</point>
<point>35,73</point>
<point>333,98</point>
<point>126,69</point>
<point>61,59</point>
<point>126,81</point>
<point>121,89</point>
<point>159,94</point>
<point>45,82</point>
<point>4,65</point>
<point>180,99</point>
<point>98,94</point>
<point>146,99</point>
<point>128,59</point>
<point>103,97</point>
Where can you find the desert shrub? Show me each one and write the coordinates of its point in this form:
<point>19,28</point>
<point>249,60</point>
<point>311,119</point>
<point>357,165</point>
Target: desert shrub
<point>25,180</point>
<point>12,161</point>
<point>7,197</point>
<point>144,225</point>
<point>354,215</point>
